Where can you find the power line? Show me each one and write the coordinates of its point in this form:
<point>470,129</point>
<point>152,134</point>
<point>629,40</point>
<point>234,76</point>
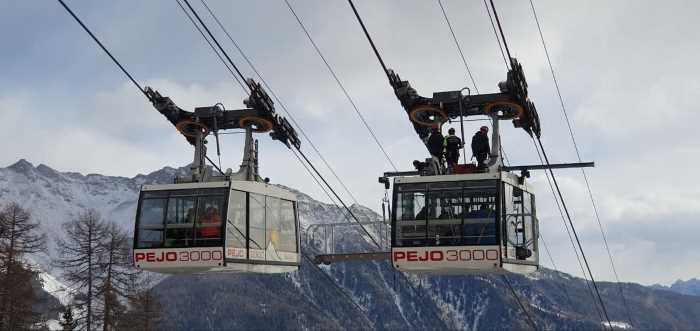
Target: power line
<point>104,48</point>
<point>279,101</point>
<point>459,48</point>
<point>340,84</point>
<point>578,155</point>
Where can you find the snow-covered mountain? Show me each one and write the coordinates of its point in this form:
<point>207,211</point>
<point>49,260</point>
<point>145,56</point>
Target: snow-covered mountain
<point>357,295</point>
<point>689,287</point>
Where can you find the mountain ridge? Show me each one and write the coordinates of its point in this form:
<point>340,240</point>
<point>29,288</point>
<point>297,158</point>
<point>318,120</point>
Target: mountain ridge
<point>355,295</point>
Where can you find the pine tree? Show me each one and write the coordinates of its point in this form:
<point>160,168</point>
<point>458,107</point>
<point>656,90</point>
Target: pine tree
<point>145,311</point>
<point>117,271</point>
<point>80,257</point>
<point>19,235</point>
<point>67,321</point>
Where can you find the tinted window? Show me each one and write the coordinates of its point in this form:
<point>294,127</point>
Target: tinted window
<point>179,218</point>
<point>257,226</point>
<point>152,211</point>
<point>236,227</point>
<point>479,211</point>
<point>444,218</point>
<point>179,222</point>
<point>272,227</point>
<point>411,217</point>
<point>519,221</point>
<point>209,224</point>
<point>150,231</point>
<point>288,238</point>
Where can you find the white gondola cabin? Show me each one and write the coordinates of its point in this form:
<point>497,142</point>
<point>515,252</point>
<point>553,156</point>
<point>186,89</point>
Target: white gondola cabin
<point>468,223</point>
<point>232,226</point>
<point>219,222</point>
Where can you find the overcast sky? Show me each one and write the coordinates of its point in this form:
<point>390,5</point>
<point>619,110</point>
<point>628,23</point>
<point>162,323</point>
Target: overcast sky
<point>627,70</point>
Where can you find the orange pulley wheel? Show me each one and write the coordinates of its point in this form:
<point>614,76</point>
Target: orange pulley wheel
<point>420,113</point>
<point>190,128</point>
<point>257,124</point>
<point>514,107</point>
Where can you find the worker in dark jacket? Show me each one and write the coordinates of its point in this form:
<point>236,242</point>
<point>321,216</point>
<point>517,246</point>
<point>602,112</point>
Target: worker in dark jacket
<point>435,142</point>
<point>480,146</point>
<point>452,145</point>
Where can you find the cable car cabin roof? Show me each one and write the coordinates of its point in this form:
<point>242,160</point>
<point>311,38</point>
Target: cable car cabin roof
<point>504,176</point>
<point>221,226</point>
<point>247,186</point>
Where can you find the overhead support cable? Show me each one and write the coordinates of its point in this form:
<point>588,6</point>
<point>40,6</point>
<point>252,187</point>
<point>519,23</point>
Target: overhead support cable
<point>578,155</point>
<point>459,47</point>
<point>104,48</point>
<point>279,101</point>
<point>498,40</point>
<point>315,179</point>
<point>500,28</point>
<point>573,229</point>
<point>340,85</point>
<point>212,46</point>
<point>339,199</point>
<point>233,65</point>
<point>520,303</point>
<point>369,38</point>
<point>561,198</point>
<point>554,266</point>
<point>571,239</point>
<point>117,62</point>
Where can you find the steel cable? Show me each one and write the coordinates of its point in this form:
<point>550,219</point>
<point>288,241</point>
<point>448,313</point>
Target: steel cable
<point>341,86</point>
<point>279,101</point>
<point>578,155</point>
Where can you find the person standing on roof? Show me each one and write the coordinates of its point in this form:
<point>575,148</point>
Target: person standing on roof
<point>435,145</point>
<point>452,144</point>
<point>480,146</point>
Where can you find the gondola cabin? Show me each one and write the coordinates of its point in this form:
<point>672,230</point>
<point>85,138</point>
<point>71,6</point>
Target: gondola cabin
<point>224,226</point>
<point>464,223</point>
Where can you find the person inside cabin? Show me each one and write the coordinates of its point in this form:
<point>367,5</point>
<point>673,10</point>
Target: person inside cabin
<point>210,224</point>
<point>452,144</point>
<point>435,142</point>
<point>480,146</point>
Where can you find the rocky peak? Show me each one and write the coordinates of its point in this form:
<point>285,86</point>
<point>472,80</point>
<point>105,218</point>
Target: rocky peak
<point>22,166</point>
